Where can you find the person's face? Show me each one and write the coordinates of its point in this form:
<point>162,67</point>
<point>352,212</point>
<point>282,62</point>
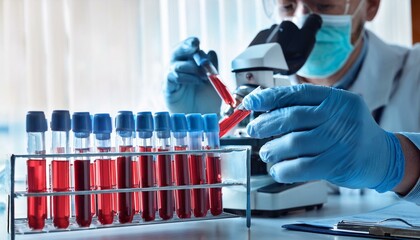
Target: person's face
<point>289,9</point>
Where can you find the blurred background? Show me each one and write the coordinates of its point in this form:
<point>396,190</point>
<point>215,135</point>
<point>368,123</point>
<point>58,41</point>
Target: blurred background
<point>110,55</point>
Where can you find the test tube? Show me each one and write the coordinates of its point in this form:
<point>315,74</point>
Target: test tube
<point>36,126</point>
<point>124,126</point>
<point>213,169</point>
<point>239,114</point>
<point>162,123</point>
<point>144,127</point>
<point>202,60</point>
<point>196,164</point>
<point>82,128</point>
<point>102,128</point>
<point>60,167</point>
<point>179,134</point>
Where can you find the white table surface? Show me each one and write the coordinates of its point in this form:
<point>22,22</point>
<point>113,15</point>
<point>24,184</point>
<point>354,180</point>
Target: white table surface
<point>235,228</point>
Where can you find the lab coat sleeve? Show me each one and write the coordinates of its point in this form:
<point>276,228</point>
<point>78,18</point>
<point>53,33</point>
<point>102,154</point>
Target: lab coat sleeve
<point>414,194</point>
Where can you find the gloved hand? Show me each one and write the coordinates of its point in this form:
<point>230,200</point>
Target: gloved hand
<point>324,133</point>
<point>187,88</point>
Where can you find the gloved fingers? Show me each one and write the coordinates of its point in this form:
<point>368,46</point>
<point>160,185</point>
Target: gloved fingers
<point>285,120</point>
<point>298,170</point>
<point>213,58</point>
<point>188,67</point>
<point>184,78</point>
<point>295,145</point>
<point>186,49</point>
<point>278,97</point>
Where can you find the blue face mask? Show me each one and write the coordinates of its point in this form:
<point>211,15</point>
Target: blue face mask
<point>332,47</point>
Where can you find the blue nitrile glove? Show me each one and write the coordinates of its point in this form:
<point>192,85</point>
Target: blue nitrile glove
<point>324,133</point>
<point>187,88</point>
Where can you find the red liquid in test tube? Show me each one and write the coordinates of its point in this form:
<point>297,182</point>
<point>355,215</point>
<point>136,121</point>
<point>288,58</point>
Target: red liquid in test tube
<point>105,213</point>
<point>82,183</point>
<point>162,128</point>
<point>125,200</point>
<point>222,90</point>
<point>213,163</point>
<point>182,196</point>
<point>239,114</point>
<point>148,199</point>
<point>60,182</point>
<point>36,126</point>
<point>230,122</point>
<point>114,183</point>
<point>202,60</point>
<point>214,176</point>
<point>93,187</point>
<point>60,168</point>
<point>105,168</point>
<point>135,184</point>
<point>164,178</point>
<point>197,165</point>
<point>37,206</point>
<point>199,196</point>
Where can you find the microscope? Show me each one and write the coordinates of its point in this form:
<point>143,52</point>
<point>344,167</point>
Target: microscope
<point>272,55</point>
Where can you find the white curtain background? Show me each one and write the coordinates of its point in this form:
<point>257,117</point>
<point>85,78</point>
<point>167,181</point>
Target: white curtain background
<point>110,55</point>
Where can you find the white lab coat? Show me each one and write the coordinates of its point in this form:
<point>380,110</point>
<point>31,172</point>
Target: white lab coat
<point>390,77</point>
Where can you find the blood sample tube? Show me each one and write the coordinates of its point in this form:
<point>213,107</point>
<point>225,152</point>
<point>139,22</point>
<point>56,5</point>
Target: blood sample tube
<point>102,128</point>
<point>60,167</point>
<point>213,170</point>
<point>36,126</point>
<point>162,122</point>
<point>179,135</point>
<point>124,126</point>
<point>82,128</point>
<point>196,164</point>
<point>239,114</point>
<point>202,60</point>
<point>144,128</point>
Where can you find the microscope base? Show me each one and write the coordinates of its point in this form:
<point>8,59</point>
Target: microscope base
<point>272,199</point>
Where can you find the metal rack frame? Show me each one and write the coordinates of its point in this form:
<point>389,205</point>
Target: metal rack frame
<point>12,195</point>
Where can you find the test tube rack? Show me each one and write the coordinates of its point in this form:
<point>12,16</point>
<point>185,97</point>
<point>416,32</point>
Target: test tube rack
<point>18,226</point>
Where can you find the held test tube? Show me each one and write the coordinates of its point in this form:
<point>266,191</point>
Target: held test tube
<point>144,127</point>
<point>213,170</point>
<point>36,126</point>
<point>162,122</point>
<point>60,167</point>
<point>124,126</point>
<point>239,114</point>
<point>179,134</point>
<point>196,163</point>
<point>102,128</point>
<point>202,60</point>
<point>82,128</point>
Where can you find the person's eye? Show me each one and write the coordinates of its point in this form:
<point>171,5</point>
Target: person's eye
<point>287,8</point>
<point>325,8</point>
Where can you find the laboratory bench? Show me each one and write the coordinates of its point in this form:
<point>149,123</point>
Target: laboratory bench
<point>232,228</point>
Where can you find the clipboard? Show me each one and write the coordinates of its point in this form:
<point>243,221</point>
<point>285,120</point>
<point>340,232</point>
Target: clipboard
<point>397,221</point>
<point>379,230</point>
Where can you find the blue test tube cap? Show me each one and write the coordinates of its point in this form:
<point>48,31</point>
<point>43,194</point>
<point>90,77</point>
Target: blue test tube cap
<point>36,122</point>
<point>195,122</point>
<point>179,125</point>
<point>60,121</point>
<point>200,58</point>
<point>102,126</point>
<point>124,121</point>
<point>211,122</point>
<point>81,124</point>
<point>162,124</point>
<point>144,124</point>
